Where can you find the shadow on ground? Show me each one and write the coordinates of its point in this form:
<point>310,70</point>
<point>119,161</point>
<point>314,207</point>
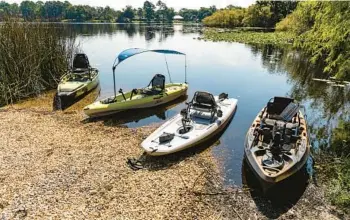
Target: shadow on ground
<point>68,103</point>
<point>281,197</point>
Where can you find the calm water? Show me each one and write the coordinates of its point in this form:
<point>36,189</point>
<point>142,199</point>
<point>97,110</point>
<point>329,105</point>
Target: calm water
<point>251,73</point>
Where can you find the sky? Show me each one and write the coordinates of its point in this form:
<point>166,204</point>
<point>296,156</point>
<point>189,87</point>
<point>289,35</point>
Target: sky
<point>177,4</point>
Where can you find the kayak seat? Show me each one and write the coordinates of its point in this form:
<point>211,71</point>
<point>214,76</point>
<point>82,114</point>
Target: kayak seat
<point>81,63</point>
<point>150,91</point>
<point>156,86</point>
<point>203,102</point>
<point>277,106</point>
<point>158,81</point>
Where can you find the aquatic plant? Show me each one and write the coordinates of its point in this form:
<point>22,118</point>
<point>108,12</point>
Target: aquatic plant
<point>32,59</point>
<point>250,37</point>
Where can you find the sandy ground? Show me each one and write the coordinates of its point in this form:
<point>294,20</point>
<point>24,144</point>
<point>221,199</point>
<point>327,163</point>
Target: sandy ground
<point>52,165</point>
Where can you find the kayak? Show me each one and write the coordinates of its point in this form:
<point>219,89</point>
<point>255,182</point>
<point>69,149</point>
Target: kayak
<point>156,93</point>
<point>80,81</point>
<point>277,143</point>
<point>205,116</point>
<point>74,85</point>
<point>136,99</point>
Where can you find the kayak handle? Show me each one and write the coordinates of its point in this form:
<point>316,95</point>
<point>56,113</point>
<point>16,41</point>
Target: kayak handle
<point>134,91</point>
<point>121,91</point>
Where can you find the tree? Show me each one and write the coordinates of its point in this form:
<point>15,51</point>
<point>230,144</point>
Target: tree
<point>148,8</point>
<point>170,14</point>
<point>140,13</point>
<point>189,14</point>
<point>52,10</point>
<point>162,10</point>
<point>128,13</point>
<point>279,9</point>
<point>225,18</point>
<point>28,10</point>
<point>205,12</point>
<point>258,16</point>
<point>322,30</point>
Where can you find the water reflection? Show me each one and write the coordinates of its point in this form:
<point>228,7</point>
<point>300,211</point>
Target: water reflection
<point>150,32</point>
<point>251,73</point>
<point>329,102</point>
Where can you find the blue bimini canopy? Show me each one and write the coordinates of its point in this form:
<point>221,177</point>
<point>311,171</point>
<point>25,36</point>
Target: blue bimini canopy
<point>134,51</point>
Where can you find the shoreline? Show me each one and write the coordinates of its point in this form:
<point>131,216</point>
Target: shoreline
<point>53,165</point>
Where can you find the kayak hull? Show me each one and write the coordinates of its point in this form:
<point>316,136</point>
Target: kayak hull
<point>76,89</point>
<point>201,131</point>
<point>102,108</point>
<point>296,159</point>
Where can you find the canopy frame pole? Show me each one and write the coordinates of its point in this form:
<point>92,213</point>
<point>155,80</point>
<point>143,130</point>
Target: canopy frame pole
<point>185,68</point>
<point>115,90</point>
<point>166,62</point>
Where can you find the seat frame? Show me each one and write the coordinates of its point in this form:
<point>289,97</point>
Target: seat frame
<point>212,108</point>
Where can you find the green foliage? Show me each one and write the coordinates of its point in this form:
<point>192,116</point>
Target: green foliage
<point>164,14</point>
<point>28,10</point>
<point>341,139</point>
<point>59,11</point>
<point>33,57</point>
<point>323,30</point>
<point>127,14</point>
<point>7,10</point>
<point>197,15</point>
<point>337,171</point>
<point>338,191</point>
<point>261,14</point>
<point>300,20</point>
<point>148,8</point>
<point>257,16</point>
<point>225,18</point>
<point>251,37</point>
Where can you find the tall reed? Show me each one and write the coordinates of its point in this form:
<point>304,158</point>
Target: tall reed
<point>33,57</point>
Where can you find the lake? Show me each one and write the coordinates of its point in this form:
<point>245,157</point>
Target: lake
<point>251,73</point>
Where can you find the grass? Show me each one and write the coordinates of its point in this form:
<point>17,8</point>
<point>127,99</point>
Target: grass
<point>334,174</point>
<point>333,165</point>
<point>33,57</point>
<point>252,37</point>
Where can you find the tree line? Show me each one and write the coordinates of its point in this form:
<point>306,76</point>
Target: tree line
<point>261,14</point>
<point>59,11</point>
<point>323,30</point>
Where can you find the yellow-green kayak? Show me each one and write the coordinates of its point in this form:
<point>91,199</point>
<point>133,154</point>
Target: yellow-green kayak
<point>136,99</point>
<point>73,85</point>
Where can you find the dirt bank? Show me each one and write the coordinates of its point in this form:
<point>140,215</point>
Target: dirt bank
<point>52,165</point>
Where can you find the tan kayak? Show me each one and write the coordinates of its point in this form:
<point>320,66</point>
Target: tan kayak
<point>277,143</point>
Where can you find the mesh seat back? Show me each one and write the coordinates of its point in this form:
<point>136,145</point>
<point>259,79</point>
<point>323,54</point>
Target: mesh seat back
<point>278,105</point>
<point>81,61</point>
<point>158,81</point>
<point>204,100</point>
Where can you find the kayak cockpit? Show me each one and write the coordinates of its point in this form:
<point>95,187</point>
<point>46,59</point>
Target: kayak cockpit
<point>156,87</point>
<point>278,139</point>
<point>204,117</point>
<point>79,77</point>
